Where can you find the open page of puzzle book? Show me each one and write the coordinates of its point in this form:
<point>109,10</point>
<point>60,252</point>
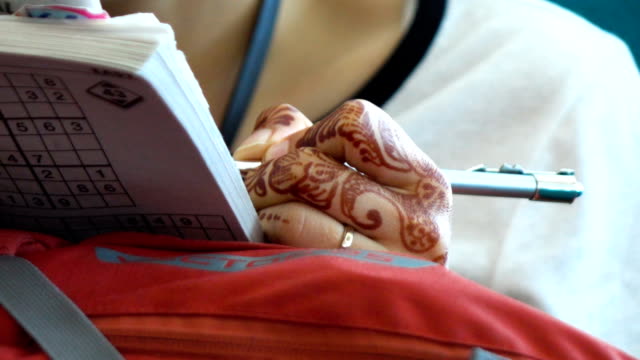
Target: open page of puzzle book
<point>103,127</point>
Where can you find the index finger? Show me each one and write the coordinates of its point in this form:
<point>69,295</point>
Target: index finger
<point>364,136</point>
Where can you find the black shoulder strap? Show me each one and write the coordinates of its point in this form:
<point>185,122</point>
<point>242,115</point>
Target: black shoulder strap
<point>251,69</point>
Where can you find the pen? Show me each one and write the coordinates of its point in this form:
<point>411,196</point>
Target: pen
<point>505,181</point>
<point>514,181</point>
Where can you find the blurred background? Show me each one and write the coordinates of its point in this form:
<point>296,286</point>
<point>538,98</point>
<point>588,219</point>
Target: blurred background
<point>621,17</point>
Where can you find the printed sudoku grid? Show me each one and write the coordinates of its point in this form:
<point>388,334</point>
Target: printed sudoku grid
<point>77,228</point>
<point>50,158</point>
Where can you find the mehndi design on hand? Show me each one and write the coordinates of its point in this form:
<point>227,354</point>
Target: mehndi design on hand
<point>391,191</point>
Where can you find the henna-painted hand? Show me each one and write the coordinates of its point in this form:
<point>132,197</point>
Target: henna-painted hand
<point>391,192</point>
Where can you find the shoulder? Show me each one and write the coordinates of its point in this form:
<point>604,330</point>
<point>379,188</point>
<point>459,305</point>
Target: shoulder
<point>531,46</point>
<point>517,17</point>
<point>535,31</point>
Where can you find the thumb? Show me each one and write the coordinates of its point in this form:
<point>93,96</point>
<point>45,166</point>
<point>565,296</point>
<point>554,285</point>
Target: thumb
<point>273,125</point>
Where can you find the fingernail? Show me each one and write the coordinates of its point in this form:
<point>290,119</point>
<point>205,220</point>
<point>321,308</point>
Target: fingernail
<point>277,150</point>
<point>253,146</point>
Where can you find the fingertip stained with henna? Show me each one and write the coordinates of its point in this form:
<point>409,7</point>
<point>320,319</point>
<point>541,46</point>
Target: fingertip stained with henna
<point>277,115</point>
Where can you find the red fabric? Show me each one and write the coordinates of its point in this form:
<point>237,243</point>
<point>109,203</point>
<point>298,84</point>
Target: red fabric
<point>128,274</point>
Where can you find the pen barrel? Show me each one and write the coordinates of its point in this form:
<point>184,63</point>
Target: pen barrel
<point>491,184</point>
<point>540,187</point>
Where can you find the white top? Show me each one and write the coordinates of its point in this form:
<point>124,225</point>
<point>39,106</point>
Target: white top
<point>524,81</point>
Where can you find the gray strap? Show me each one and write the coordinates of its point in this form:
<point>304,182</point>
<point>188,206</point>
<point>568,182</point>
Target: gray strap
<point>250,71</point>
<point>52,319</point>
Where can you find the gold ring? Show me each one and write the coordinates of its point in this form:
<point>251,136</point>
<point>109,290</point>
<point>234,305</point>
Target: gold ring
<point>347,237</point>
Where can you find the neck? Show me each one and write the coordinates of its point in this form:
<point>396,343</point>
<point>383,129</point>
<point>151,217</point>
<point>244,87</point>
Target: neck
<point>213,34</point>
<point>321,53</point>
